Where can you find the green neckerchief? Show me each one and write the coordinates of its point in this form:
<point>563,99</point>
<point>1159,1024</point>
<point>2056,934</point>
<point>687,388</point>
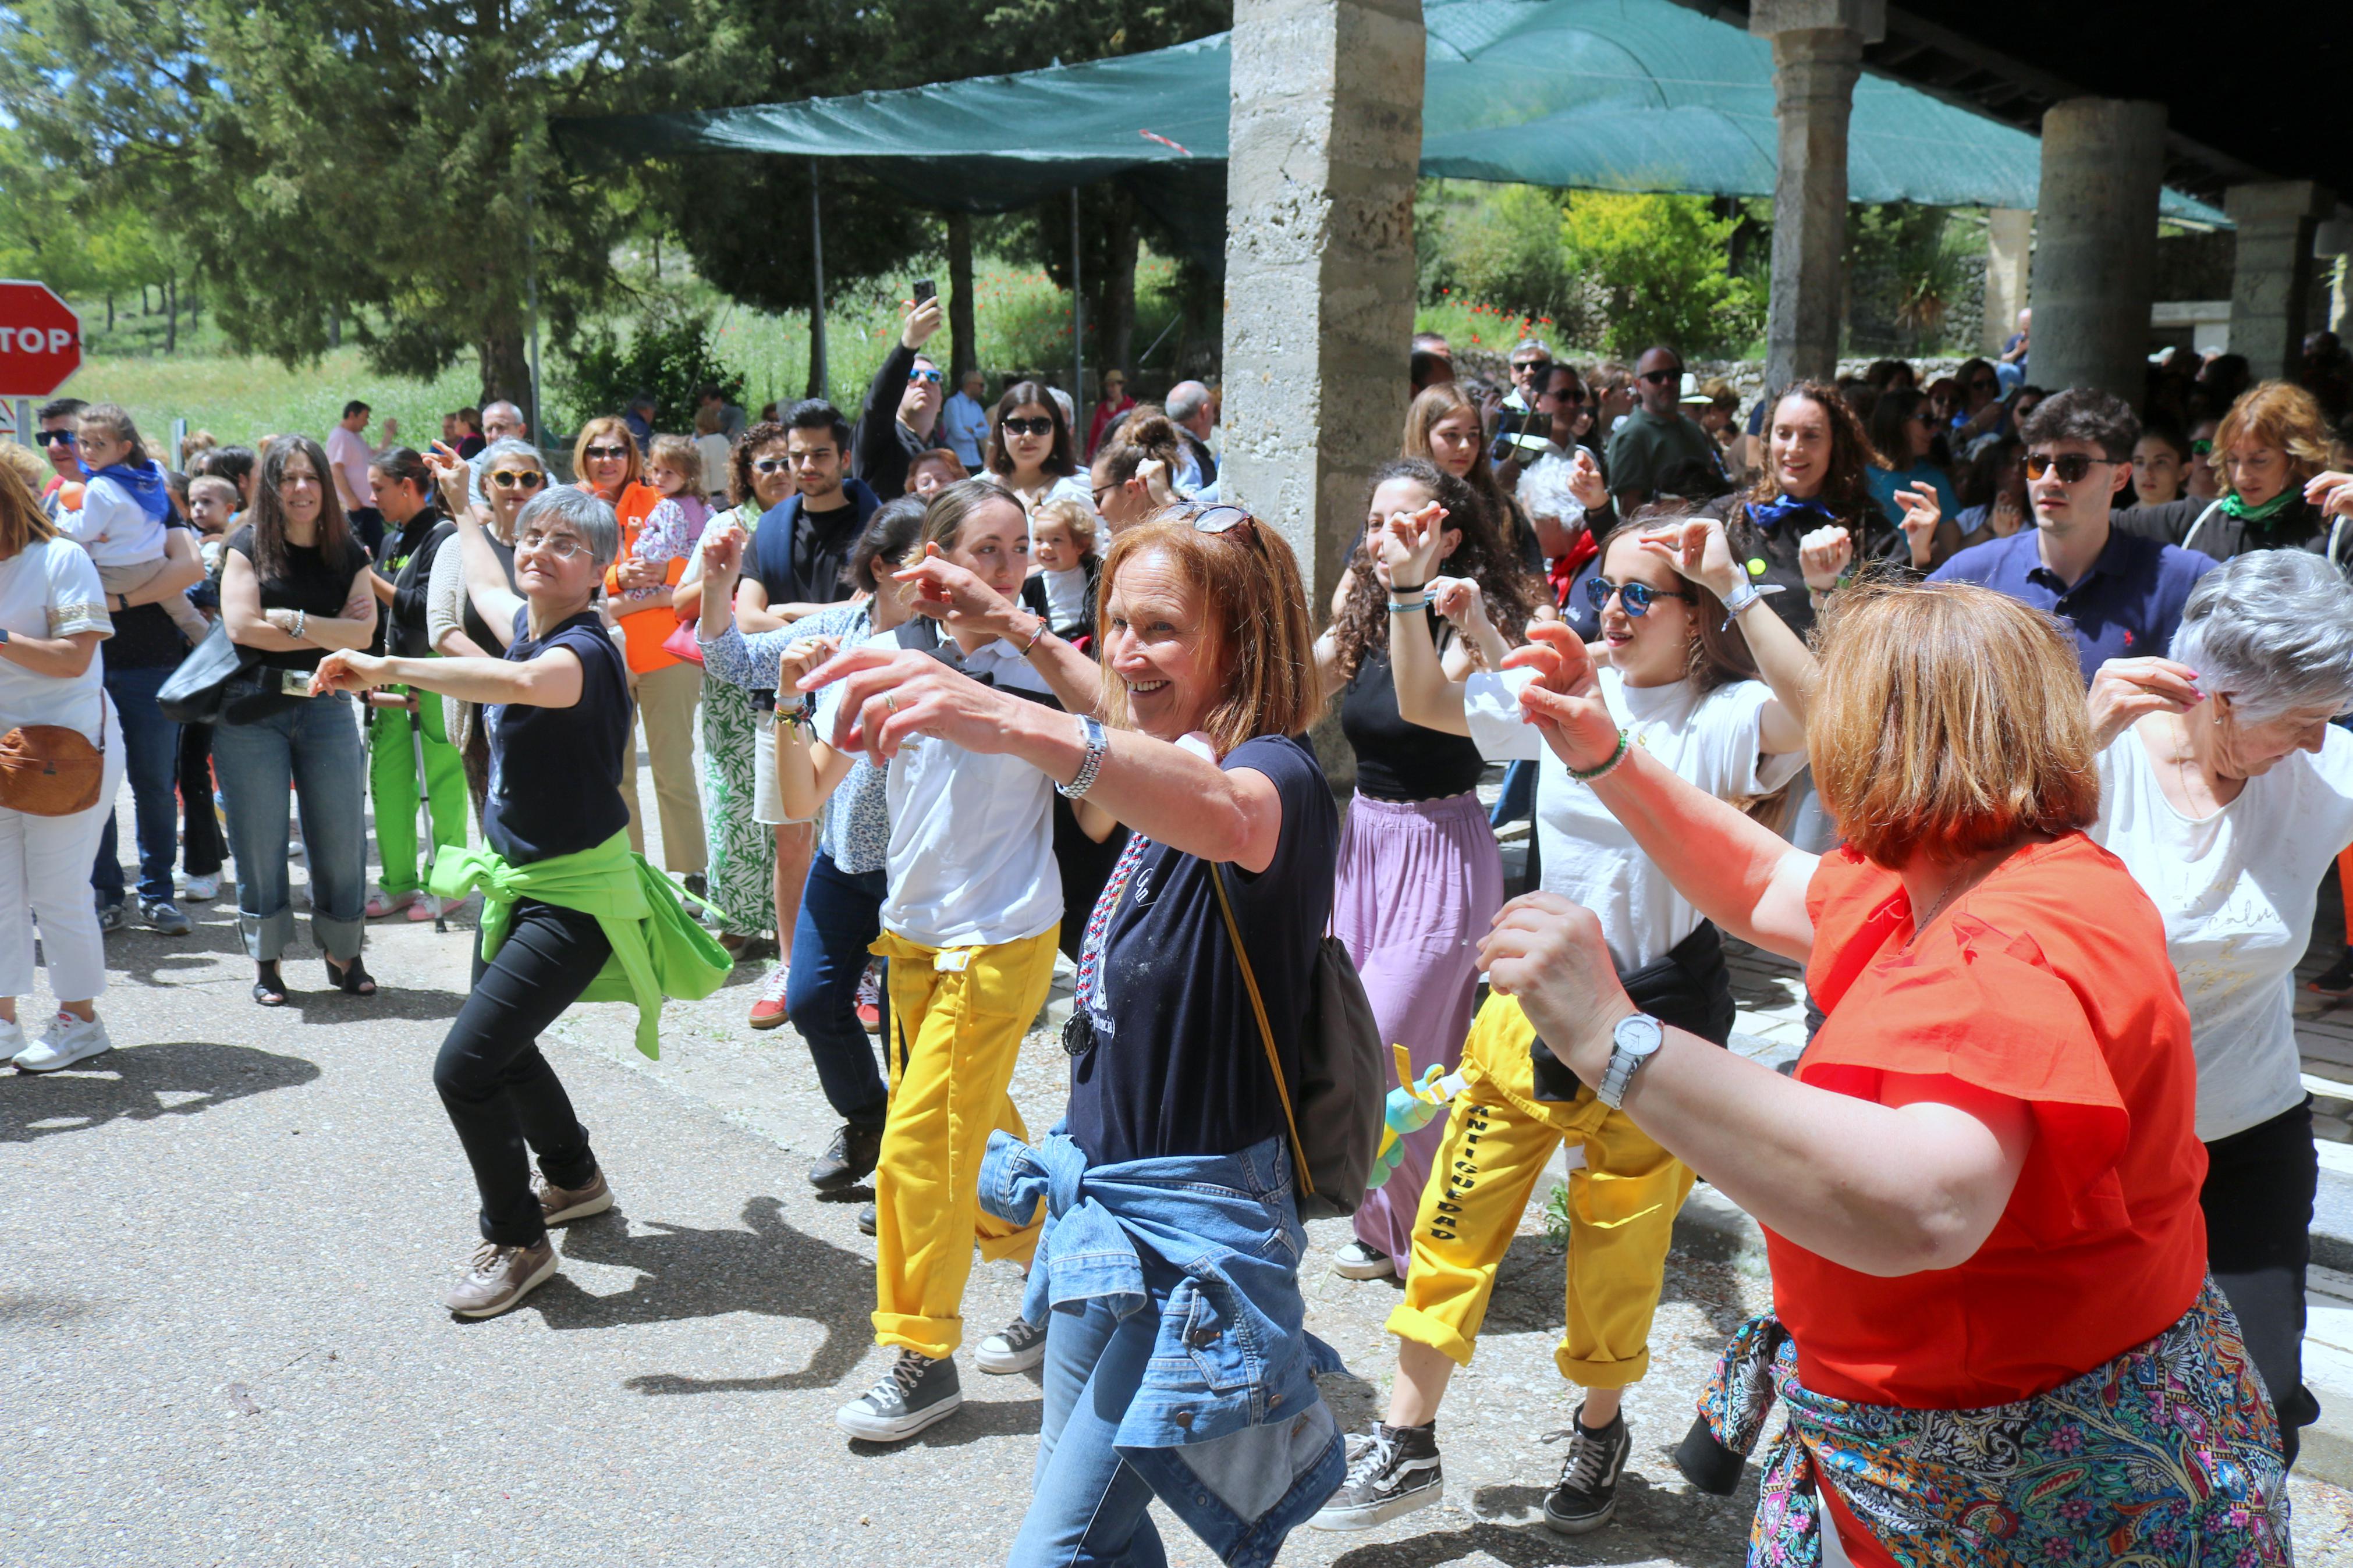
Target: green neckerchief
<point>657,951</point>
<point>2233,507</point>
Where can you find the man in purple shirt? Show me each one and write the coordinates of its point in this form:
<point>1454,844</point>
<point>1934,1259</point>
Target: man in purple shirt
<point>2120,594</point>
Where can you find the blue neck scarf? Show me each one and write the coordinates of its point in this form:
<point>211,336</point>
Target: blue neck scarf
<point>1774,513</point>
<point>144,486</point>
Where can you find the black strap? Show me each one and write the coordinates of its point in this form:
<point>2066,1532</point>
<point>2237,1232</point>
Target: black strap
<point>921,633</point>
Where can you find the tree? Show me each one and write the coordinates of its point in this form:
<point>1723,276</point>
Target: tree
<point>1658,264</point>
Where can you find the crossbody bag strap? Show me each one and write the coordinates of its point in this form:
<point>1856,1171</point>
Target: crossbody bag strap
<point>1265,1029</point>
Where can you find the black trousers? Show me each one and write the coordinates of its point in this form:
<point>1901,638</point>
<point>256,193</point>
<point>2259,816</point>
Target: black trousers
<point>503,1098</point>
<point>203,846</point>
<point>2258,1201</point>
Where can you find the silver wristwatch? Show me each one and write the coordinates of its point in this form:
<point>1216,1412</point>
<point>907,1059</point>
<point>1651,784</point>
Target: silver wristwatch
<point>1098,746</point>
<point>1636,1040</point>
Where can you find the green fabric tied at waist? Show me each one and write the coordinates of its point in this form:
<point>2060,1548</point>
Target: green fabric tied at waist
<point>657,951</point>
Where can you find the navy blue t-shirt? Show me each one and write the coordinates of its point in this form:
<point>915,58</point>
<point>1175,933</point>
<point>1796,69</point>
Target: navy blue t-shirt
<point>2128,606</point>
<point>555,772</point>
<point>1177,1066</point>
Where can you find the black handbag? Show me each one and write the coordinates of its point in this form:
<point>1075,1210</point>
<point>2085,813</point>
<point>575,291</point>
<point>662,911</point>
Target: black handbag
<point>197,691</point>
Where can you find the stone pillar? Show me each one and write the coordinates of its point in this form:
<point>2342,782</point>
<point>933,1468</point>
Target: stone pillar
<point>2095,244</point>
<point>2331,248</point>
<point>2271,280</point>
<point>1816,56</point>
<point>2010,248</point>
<point>1327,143</point>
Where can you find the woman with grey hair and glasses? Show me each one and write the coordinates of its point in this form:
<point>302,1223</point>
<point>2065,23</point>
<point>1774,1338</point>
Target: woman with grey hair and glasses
<point>2226,791</point>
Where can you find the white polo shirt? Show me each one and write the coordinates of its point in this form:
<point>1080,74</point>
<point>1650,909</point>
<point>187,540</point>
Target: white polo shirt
<point>971,861</point>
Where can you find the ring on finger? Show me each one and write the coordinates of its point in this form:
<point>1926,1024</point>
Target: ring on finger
<point>891,701</point>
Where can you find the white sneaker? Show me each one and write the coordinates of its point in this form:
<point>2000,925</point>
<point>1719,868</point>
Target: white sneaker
<point>66,1041</point>
<point>12,1039</point>
<point>1016,1347</point>
<point>1357,1261</point>
<point>381,903</point>
<point>197,890</point>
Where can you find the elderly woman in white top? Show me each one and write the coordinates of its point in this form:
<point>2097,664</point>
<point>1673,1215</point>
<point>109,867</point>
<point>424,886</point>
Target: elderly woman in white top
<point>2226,791</point>
<point>52,618</point>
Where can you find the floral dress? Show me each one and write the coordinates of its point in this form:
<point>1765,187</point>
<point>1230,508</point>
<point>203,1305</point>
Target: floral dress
<point>743,853</point>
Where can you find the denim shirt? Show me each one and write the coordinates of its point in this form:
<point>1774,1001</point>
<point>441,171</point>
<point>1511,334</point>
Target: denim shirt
<point>856,831</point>
<point>1227,1427</point>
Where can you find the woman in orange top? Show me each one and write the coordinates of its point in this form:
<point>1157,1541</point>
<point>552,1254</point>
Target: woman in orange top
<point>1992,1328</point>
<point>637,593</point>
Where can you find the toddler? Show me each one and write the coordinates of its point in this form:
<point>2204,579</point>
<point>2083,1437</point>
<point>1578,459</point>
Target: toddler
<point>1063,588</point>
<point>674,466</point>
<point>124,507</point>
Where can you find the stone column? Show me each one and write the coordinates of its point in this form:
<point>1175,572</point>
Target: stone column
<point>2271,280</point>
<point>2095,244</point>
<point>1816,56</point>
<point>2331,243</point>
<point>1327,143</point>
<point>2010,248</point>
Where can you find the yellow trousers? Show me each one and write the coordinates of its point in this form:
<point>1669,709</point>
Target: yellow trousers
<point>1622,1212</point>
<point>957,1015</point>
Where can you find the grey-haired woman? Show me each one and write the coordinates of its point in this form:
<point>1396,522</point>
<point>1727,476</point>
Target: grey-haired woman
<point>2226,791</point>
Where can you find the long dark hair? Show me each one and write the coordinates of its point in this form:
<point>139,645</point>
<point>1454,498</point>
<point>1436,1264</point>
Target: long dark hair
<point>1059,461</point>
<point>890,537</point>
<point>1889,417</point>
<point>1363,623</point>
<point>1846,484</point>
<point>337,547</point>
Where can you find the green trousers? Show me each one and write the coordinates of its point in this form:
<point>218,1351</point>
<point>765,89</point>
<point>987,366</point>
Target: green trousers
<point>392,782</point>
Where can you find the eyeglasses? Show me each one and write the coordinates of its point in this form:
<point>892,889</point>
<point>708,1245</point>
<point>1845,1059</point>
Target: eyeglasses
<point>606,452</point>
<point>1636,596</point>
<point>2197,449</point>
<point>1661,378</point>
<point>563,546</point>
<point>1219,519</point>
<point>1100,491</point>
<point>66,438</point>
<point>2072,466</point>
<point>930,375</point>
<point>771,465</point>
<point>1039,426</point>
<point>1530,366</point>
<point>518,480</point>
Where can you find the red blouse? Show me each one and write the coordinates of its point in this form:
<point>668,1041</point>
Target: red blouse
<point>2048,982</point>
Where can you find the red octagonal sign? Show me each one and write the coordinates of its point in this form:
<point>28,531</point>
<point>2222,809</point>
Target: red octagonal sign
<point>40,341</point>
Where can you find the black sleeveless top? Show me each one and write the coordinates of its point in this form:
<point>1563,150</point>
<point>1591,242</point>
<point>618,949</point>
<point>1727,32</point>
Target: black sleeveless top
<point>1395,760</point>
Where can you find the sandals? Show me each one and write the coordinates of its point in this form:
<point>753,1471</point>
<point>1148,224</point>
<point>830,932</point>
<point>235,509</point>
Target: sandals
<point>268,990</point>
<point>352,979</point>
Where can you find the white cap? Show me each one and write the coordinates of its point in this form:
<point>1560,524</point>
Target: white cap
<point>1692,394</point>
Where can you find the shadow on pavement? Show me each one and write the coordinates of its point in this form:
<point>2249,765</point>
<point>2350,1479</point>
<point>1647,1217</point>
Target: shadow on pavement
<point>1696,1527</point>
<point>768,1266</point>
<point>973,1420</point>
<point>140,1083</point>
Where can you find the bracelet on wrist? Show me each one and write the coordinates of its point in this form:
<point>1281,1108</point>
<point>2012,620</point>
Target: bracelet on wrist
<point>1397,588</point>
<point>1406,606</point>
<point>1587,776</point>
<point>1034,638</point>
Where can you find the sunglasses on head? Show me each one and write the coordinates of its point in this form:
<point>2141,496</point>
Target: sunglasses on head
<point>1219,519</point>
<point>518,479</point>
<point>2072,466</point>
<point>1039,426</point>
<point>606,452</point>
<point>771,465</point>
<point>1661,378</point>
<point>930,375</point>
<point>55,439</point>
<point>1636,596</point>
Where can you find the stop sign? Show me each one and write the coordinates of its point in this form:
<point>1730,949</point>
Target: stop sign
<point>40,341</point>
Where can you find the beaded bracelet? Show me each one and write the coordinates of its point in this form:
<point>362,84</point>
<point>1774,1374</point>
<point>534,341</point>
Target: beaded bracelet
<point>1625,744</point>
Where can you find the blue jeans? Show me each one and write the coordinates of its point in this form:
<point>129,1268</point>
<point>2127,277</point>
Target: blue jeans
<point>841,914</point>
<point>315,744</point>
<point>1087,1505</point>
<point>151,761</point>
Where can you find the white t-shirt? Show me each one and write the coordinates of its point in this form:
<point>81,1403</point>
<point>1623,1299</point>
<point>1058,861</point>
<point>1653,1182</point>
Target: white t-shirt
<point>112,527</point>
<point>2237,891</point>
<point>1066,594</point>
<point>51,589</point>
<point>971,862</point>
<point>1714,742</point>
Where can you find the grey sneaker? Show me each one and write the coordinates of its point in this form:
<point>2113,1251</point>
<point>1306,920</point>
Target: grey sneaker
<point>866,1220</point>
<point>916,1393</point>
<point>499,1277</point>
<point>64,1041</point>
<point>1392,1470</point>
<point>159,915</point>
<point>1016,1347</point>
<point>113,917</point>
<point>848,1160</point>
<point>562,1206</point>
<point>1587,1494</point>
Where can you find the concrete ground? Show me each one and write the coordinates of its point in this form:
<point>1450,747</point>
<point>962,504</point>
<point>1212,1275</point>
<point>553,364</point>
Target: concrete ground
<point>221,1341</point>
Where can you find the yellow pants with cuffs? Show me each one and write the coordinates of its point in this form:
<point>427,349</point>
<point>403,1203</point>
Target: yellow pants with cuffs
<point>1622,1210</point>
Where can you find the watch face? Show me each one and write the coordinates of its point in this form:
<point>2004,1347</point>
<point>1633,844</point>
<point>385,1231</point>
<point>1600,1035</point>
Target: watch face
<point>1639,1036</point>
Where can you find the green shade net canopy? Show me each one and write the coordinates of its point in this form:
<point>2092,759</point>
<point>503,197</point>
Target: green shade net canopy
<point>1611,95</point>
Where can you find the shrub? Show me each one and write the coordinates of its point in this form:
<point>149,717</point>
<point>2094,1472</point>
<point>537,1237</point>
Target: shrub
<point>668,356</point>
<point>1657,267</point>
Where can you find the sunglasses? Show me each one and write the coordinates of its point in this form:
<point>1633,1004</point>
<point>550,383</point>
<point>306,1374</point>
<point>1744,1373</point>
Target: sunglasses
<point>518,480</point>
<point>66,438</point>
<point>606,452</point>
<point>2197,449</point>
<point>2072,466</point>
<point>1219,519</point>
<point>1040,426</point>
<point>1636,596</point>
<point>930,375</point>
<point>1661,378</point>
<point>772,465</point>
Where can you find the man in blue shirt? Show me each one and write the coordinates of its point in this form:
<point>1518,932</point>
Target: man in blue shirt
<point>2120,594</point>
<point>964,420</point>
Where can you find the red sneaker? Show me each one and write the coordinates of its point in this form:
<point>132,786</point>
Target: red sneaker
<point>869,1004</point>
<point>769,1010</point>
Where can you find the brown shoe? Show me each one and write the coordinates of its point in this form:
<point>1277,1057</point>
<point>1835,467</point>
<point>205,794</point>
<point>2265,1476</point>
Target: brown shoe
<point>562,1206</point>
<point>499,1277</point>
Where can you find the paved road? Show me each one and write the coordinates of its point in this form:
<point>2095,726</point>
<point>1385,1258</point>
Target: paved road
<point>220,1339</point>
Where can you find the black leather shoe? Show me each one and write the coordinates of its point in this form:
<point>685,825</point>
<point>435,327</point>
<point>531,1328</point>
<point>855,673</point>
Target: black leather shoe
<point>848,1160</point>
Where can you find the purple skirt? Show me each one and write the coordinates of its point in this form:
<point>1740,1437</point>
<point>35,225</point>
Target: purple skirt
<point>1420,884</point>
